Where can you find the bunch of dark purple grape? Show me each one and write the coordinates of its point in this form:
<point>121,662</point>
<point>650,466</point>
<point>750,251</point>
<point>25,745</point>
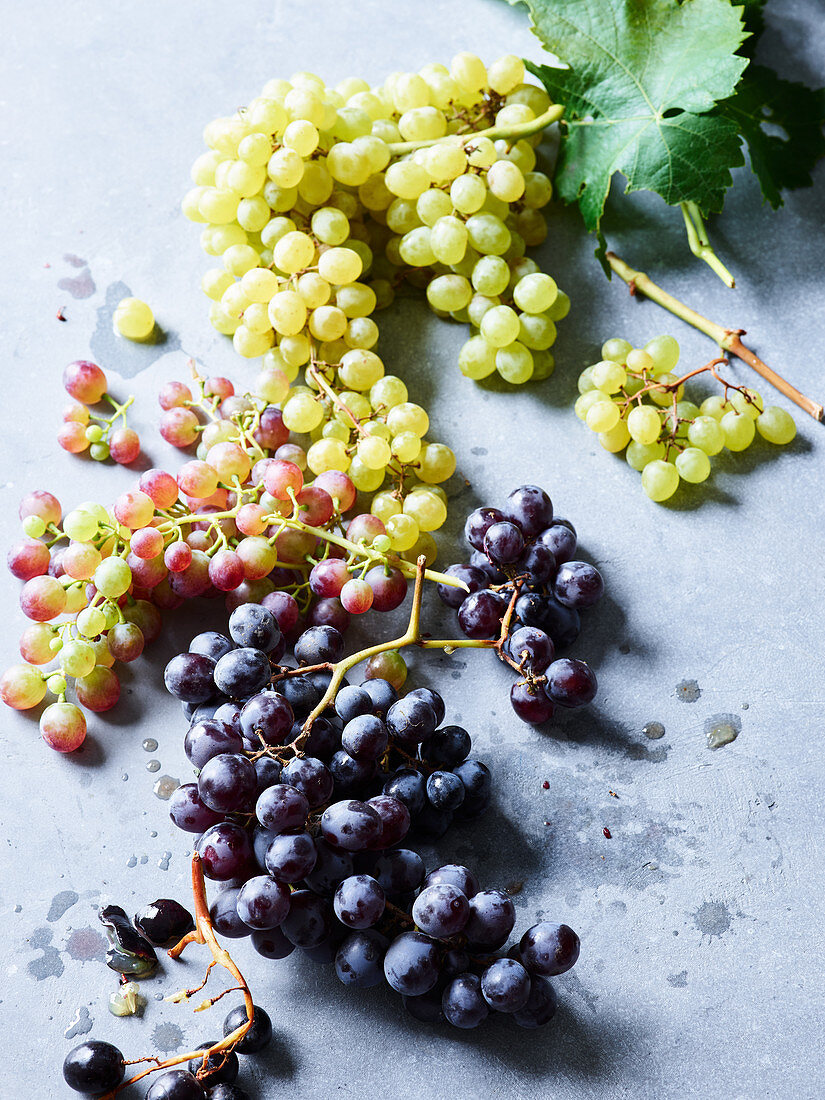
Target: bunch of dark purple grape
<point>524,552</point>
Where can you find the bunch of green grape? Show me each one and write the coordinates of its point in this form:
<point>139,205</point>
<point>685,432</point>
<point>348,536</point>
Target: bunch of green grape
<point>634,399</point>
<point>320,200</point>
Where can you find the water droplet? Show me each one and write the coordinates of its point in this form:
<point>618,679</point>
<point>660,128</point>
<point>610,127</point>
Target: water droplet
<point>721,729</point>
<point>131,861</point>
<point>163,862</point>
<point>688,691</point>
<point>82,1024</point>
<point>18,908</point>
<point>653,730</point>
<point>153,765</point>
<point>746,706</point>
<point>125,777</point>
<point>150,744</point>
<point>153,832</point>
<point>144,860</point>
<point>165,787</point>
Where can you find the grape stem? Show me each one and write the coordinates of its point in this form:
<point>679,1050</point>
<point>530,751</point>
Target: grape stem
<point>204,934</point>
<point>726,338</point>
<point>700,246</point>
<point>509,133</point>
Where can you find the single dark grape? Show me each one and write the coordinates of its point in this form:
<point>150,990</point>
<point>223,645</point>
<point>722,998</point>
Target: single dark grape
<point>478,523</point>
<point>395,820</point>
<point>411,964</point>
<point>478,786</point>
<point>209,738</point>
<point>301,694</point>
<point>290,857</point>
<point>206,710</point>
<point>531,648</point>
<point>176,1084</point>
<point>503,543</point>
<point>541,1004</point>
<point>267,773</point>
<point>462,1002</point>
<point>560,540</point>
<point>409,787</point>
<point>352,702</point>
<point>445,791</point>
<point>399,871</point>
<point>242,673</point>
<point>382,694</point>
<point>323,953</point>
<point>480,561</point>
<point>164,922</point>
<point>411,719</point>
<point>425,1008</point>
<point>230,714</point>
<point>561,623</point>
<point>389,587</point>
<point>261,839</point>
<point>94,1067</point>
<point>310,919</point>
<point>223,912</point>
<point>188,812</point>
<point>447,747</point>
<point>529,507</point>
<point>365,737</point>
<point>432,823</point>
<point>323,739</point>
<point>311,776</point>
<point>473,577</point>
<point>259,1033</point>
<point>571,683</point>
<point>254,626</point>
<point>549,949</point>
<point>228,783</point>
<point>480,614</point>
<point>225,851</point>
<point>220,1067</point>
<point>281,808</point>
<point>454,874</point>
<point>531,703</point>
<point>492,916</point>
<point>272,944</point>
<point>332,866</point>
<point>189,677</point>
<point>578,584</point>
<point>352,825</point>
<point>441,910</point>
<point>350,776</point>
<point>538,562</point>
<point>359,901</point>
<point>211,644</point>
<point>505,985</point>
<point>455,961</point>
<point>267,717</point>
<point>329,612</point>
<point>359,961</point>
<point>319,644</point>
<point>433,698</point>
<point>262,903</point>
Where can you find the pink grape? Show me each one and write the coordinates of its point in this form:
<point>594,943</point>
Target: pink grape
<point>315,506</point>
<point>146,542</point>
<point>35,644</point>
<point>259,469</point>
<point>230,460</point>
<point>339,487</point>
<point>248,591</point>
<point>329,611</point>
<point>80,559</point>
<point>357,596</point>
<point>285,609</point>
<point>226,570</point>
<point>194,581</point>
<point>134,509</point>
<point>280,477</point>
<point>160,486</point>
<point>179,427</point>
<point>42,598</point>
<point>99,691</point>
<point>257,557</point>
<point>125,641</point>
<point>365,526</point>
<point>56,567</point>
<point>389,587</point>
<point>389,666</point>
<point>271,432</point>
<point>22,687</point>
<point>146,572</point>
<point>294,546</point>
<point>173,395</point>
<point>199,540</point>
<point>145,616</point>
<point>63,727</point>
<point>251,519</point>
<point>28,558</point>
<point>72,438</point>
<point>165,597</point>
<point>291,452</point>
<point>41,503</point>
<point>234,405</point>
<point>197,479</point>
<point>218,387</point>
<point>177,557</point>
<point>84,381</point>
<point>328,577</point>
<point>124,446</point>
<point>76,411</point>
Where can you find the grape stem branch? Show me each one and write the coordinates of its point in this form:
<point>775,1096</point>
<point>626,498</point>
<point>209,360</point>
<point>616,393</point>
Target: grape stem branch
<point>700,246</point>
<point>509,133</point>
<point>726,338</point>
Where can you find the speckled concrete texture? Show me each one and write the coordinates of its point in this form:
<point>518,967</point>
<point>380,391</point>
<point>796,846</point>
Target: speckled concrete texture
<point>701,972</point>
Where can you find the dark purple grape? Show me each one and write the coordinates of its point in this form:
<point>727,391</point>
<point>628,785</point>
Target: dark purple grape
<point>454,962</point>
<point>395,820</point>
<point>382,694</point>
<point>578,584</point>
<point>281,808</point>
<point>262,903</point>
<point>301,694</point>
<point>189,677</point>
<point>541,1004</point>
<point>560,540</point>
<point>365,737</point>
<point>332,866</point>
<point>329,612</point>
<point>267,717</point>
<point>350,775</point>
<point>479,560</point>
<point>503,543</point>
<point>529,507</point>
<point>462,1002</point>
<point>267,773</point>
<point>411,964</point>
<point>571,683</point>
<point>211,644</point>
<point>492,916</point>
<point>447,747</point>
<point>425,1008</point>
<point>389,587</point>
<point>352,825</point>
<point>230,714</point>
<point>359,901</point>
<point>531,648</point>
<point>432,823</point>
<point>433,698</point>
<point>272,944</point>
<point>319,644</point>
<point>409,787</point>
<point>473,577</point>
<point>93,1068</point>
<point>223,912</point>
<point>258,1035</point>
<point>164,922</point>
<point>323,954</point>
<point>228,1092</point>
<point>225,851</point>
<point>309,921</point>
<point>478,786</point>
<point>545,612</point>
<point>228,783</point>
<point>290,857</point>
<point>538,562</point>
<point>549,949</point>
<point>445,791</point>
<point>251,625</point>
<point>323,739</point>
<point>480,614</point>
<point>359,961</point>
<point>209,738</point>
<point>351,702</point>
<point>261,839</point>
<point>441,910</point>
<point>505,985</point>
<point>531,703</point>
<point>411,719</point>
<point>176,1084</point>
<point>454,874</point>
<point>219,1068</point>
<point>188,812</point>
<point>311,776</point>
<point>242,673</point>
<point>399,871</point>
<point>478,523</point>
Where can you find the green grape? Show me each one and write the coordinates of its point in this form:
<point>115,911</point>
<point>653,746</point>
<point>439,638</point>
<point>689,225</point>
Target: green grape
<point>214,282</point>
<point>640,362</point>
<point>585,381</point>
<point>515,363</point>
<point>739,430</point>
<point>357,404</point>
<point>506,181</point>
<point>436,463</point>
<point>328,454</point>
<point>416,247</point>
<point>644,425</point>
<point>385,504</point>
<point>406,446</point>
<point>373,452</point>
<point>538,190</point>
<point>488,234</point>
<point>112,577</point>
<point>506,74</point>
<point>444,162</point>
<point>448,240</point>
<point>586,401</point>
<point>403,532</point>
<point>560,308</point>
<point>449,292</point>
<point>287,312</point>
<point>240,258</point>
<point>662,397</point>
<point>714,406</point>
<point>91,622</point>
<point>477,358</point>
<point>660,480</point>
<point>426,508</point>
<point>639,454</point>
<point>251,344</point>
<point>706,434</point>
<point>408,417</point>
<point>490,276</point>
<point>664,352</point>
<point>77,658</point>
<point>360,369</point>
<point>302,413</point>
<point>776,425</point>
<point>693,465</point>
<point>616,439</point>
<point>388,392</point>
<point>479,305</point>
<point>467,193</point>
<point>133,319</point>
<point>422,124</point>
<point>334,429</point>
<point>536,331</point>
<point>608,376</point>
<point>295,351</point>
<point>602,415</point>
<point>362,332</point>
<point>259,285</point>
<point>406,179</point>
<point>500,326</point>
<point>340,265</point>
<point>543,365</point>
<point>81,525</point>
<point>357,300</point>
<point>431,205</point>
<point>747,403</point>
<point>330,226</point>
<point>327,323</point>
<point>535,293</point>
<point>363,478</point>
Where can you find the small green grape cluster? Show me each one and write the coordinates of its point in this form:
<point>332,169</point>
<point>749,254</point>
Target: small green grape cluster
<point>633,398</point>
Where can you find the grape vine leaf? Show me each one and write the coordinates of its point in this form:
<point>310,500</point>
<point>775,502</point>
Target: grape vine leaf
<point>642,76</point>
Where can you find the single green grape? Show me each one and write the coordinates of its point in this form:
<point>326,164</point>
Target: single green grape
<point>739,430</point>
<point>706,434</point>
<point>693,465</point>
<point>776,425</point>
<point>660,480</point>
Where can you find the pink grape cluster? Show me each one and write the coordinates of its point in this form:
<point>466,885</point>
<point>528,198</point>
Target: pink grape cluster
<point>82,430</point>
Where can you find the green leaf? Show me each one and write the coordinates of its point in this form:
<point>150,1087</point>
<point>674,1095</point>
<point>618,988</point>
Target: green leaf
<point>642,76</point>
<point>762,99</point>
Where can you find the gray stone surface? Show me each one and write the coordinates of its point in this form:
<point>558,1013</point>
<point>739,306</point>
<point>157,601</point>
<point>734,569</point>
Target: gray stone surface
<point>701,971</point>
